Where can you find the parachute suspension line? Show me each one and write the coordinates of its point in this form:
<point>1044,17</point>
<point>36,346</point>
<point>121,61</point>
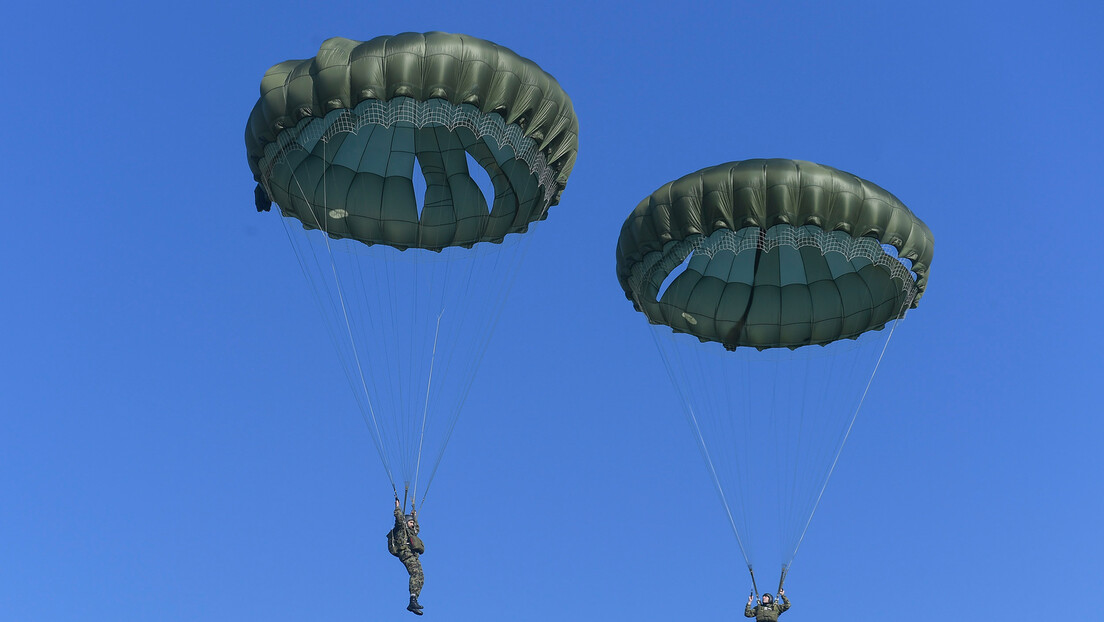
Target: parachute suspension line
<point>375,326</point>
<point>708,458</point>
<point>390,279</point>
<point>322,308</point>
<point>775,428</point>
<point>445,280</point>
<point>741,323</point>
<point>717,483</point>
<point>299,256</point>
<point>408,422</point>
<point>791,499</point>
<point>349,331</point>
<point>520,253</point>
<point>809,460</point>
<point>345,315</point>
<point>744,461</point>
<point>425,409</point>
<point>846,435</point>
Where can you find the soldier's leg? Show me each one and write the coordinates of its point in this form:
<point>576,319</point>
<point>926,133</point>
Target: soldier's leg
<point>417,579</point>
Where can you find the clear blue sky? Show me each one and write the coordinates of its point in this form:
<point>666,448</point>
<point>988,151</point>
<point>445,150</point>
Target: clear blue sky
<point>174,444</point>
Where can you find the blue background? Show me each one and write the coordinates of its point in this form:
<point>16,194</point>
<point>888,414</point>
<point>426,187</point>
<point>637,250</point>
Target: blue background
<point>174,445</point>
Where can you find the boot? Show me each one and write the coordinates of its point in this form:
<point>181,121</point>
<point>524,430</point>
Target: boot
<point>414,607</point>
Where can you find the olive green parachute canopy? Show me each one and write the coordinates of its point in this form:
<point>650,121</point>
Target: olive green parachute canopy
<point>773,253</point>
<point>333,140</point>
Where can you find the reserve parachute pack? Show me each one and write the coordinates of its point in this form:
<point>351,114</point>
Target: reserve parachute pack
<point>393,545</point>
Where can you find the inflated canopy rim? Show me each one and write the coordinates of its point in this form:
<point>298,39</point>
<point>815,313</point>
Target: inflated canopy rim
<point>434,65</point>
<point>351,174</point>
<point>786,287</point>
<point>767,192</point>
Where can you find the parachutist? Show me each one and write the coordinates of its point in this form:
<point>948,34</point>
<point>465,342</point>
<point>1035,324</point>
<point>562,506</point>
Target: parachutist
<point>766,610</point>
<point>741,268</point>
<point>399,159</point>
<point>403,542</point>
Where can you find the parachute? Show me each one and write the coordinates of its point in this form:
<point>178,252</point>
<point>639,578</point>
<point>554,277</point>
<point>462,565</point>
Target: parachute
<point>772,287</point>
<point>377,150</point>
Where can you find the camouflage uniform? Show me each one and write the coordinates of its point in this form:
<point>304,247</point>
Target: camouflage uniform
<point>406,545</point>
<point>767,613</point>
